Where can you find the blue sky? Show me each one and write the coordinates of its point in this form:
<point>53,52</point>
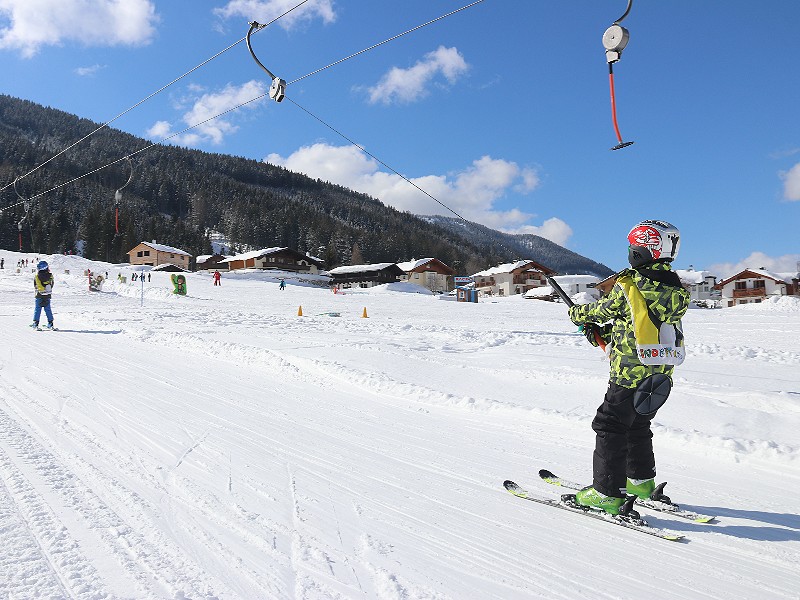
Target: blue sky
<point>500,111</point>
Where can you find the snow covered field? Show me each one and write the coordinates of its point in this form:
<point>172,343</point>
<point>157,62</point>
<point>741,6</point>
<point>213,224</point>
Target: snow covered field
<point>220,446</point>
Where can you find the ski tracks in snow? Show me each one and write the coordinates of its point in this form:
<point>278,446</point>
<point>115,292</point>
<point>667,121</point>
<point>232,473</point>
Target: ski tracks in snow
<point>73,532</point>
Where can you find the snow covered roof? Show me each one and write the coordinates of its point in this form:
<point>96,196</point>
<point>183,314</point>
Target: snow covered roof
<point>361,268</point>
<point>504,268</point>
<point>204,257</point>
<point>163,248</point>
<point>573,279</point>
<point>413,264</point>
<point>255,254</point>
<point>784,277</point>
<point>692,276</point>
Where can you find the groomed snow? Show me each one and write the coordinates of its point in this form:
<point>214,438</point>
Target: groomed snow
<point>221,446</point>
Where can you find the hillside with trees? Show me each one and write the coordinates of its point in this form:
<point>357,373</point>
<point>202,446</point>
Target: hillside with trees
<point>177,196</point>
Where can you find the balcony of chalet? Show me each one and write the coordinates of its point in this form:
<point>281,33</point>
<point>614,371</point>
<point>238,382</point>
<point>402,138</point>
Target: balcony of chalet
<point>750,293</point>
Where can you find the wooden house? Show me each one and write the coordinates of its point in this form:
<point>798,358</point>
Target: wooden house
<point>700,284</point>
<point>153,254</point>
<point>756,285</point>
<point>430,273</point>
<point>365,276</point>
<point>209,262</point>
<point>282,259</point>
<point>512,278</point>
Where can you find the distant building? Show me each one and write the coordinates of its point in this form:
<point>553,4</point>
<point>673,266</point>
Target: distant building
<point>700,284</point>
<point>283,259</point>
<point>571,284</point>
<point>153,254</point>
<point>430,273</point>
<point>512,278</point>
<point>756,285</point>
<point>208,262</point>
<point>365,276</point>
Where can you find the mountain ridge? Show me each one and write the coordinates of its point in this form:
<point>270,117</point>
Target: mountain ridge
<point>177,195</point>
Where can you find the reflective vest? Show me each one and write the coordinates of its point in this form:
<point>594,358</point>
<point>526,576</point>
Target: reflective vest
<point>43,288</point>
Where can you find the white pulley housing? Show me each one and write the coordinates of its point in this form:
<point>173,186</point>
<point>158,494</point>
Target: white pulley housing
<point>277,91</point>
<point>615,39</point>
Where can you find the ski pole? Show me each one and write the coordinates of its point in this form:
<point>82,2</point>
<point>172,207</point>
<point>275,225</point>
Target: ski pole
<point>568,301</point>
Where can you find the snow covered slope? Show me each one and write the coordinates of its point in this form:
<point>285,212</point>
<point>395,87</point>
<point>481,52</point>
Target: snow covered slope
<point>220,446</point>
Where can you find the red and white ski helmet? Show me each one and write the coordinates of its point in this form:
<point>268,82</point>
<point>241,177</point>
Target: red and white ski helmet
<point>653,240</point>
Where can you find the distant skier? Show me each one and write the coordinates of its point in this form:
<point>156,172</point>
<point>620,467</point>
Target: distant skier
<point>282,286</point>
<point>217,277</point>
<point>43,284</point>
<point>639,319</point>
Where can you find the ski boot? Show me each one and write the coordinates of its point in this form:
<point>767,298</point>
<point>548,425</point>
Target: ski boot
<point>646,489</point>
<point>49,327</point>
<point>590,498</point>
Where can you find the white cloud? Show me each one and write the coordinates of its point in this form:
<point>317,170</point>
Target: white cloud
<point>791,183</point>
<point>472,192</point>
<point>408,85</point>
<point>263,11</point>
<point>88,71</point>
<point>205,107</point>
<point>36,23</point>
<point>553,229</point>
<point>757,260</point>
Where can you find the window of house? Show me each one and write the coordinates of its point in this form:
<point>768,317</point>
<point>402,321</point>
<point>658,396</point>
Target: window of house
<point>741,285</point>
<point>172,256</point>
<point>147,252</point>
<point>139,254</point>
<point>272,259</point>
<point>759,283</point>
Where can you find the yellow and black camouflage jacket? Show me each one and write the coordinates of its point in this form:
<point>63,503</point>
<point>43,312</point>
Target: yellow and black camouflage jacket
<point>666,298</point>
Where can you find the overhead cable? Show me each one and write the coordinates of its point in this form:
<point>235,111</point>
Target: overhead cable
<point>399,35</point>
<point>158,91</point>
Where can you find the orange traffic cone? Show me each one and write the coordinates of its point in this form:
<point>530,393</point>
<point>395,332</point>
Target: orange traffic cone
<point>299,311</point>
<point>364,315</point>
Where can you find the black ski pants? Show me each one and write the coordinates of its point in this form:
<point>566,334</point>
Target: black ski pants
<point>624,442</point>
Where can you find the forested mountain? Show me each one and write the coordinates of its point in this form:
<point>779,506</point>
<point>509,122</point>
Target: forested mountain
<point>177,195</point>
<point>524,246</point>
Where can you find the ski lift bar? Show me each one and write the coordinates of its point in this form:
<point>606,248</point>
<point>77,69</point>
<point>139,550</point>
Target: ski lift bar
<point>26,204</point>
<point>277,90</point>
<point>118,197</point>
<point>615,38</point>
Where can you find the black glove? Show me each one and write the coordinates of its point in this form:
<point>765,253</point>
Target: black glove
<point>592,330</point>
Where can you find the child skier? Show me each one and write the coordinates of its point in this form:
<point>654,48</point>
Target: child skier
<point>640,321</point>
<point>43,284</point>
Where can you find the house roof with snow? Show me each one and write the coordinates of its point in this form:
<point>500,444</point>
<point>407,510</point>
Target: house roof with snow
<point>785,278</point>
<point>361,268</point>
<point>204,257</point>
<point>576,279</point>
<point>164,248</point>
<point>256,253</point>
<point>694,277</point>
<point>425,264</point>
<point>515,267</point>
